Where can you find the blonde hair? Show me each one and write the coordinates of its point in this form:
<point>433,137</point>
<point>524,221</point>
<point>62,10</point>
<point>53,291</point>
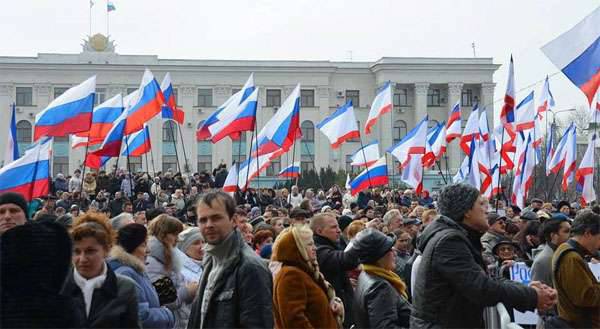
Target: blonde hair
<point>355,227</point>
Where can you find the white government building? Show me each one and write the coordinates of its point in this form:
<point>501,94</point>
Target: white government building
<point>421,86</point>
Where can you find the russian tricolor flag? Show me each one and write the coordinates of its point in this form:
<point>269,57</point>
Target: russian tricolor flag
<point>170,109</point>
<point>454,128</point>
<point>340,126</point>
<point>12,147</point>
<point>103,117</point>
<point>291,171</point>
<point>585,174</point>
<point>29,175</point>
<point>280,133</point>
<point>147,105</point>
<point>381,104</point>
<point>525,114</point>
<point>374,175</point>
<point>238,114</point>
<point>413,143</point>
<point>69,113</point>
<point>366,155</point>
<point>111,146</point>
<point>577,54</point>
<point>138,143</point>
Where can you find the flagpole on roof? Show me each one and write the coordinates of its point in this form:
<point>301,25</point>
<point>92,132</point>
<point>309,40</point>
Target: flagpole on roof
<point>91,5</point>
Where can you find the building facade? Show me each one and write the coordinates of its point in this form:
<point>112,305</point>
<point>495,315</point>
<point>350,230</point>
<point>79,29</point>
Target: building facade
<point>420,86</point>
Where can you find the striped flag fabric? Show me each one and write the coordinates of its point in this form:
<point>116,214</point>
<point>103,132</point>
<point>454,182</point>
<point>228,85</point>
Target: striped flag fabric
<point>413,143</point>
<point>340,126</point>
<point>231,182</point>
<point>29,175</point>
<point>169,109</point>
<point>291,171</point>
<point>382,103</point>
<point>12,146</point>
<point>374,175</point>
<point>525,114</point>
<point>366,155</point>
<point>145,106</point>
<point>454,126</point>
<point>546,100</point>
<point>507,114</point>
<point>585,174</point>
<point>137,144</point>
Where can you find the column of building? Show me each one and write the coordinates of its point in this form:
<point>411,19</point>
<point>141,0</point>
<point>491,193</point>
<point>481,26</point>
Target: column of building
<point>453,149</point>
<point>421,89</point>
<point>6,99</point>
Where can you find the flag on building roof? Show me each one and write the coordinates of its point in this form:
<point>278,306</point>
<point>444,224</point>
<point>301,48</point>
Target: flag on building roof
<point>454,128</point>
<point>585,174</point>
<point>413,143</point>
<point>546,100</point>
<point>366,155</point>
<point>69,113</point>
<point>291,171</point>
<point>238,114</point>
<point>577,54</point>
<point>282,130</point>
<point>436,144</point>
<point>169,110</point>
<point>30,174</point>
<point>374,175</point>
<point>412,174</point>
<point>525,114</point>
<point>231,182</point>
<point>11,152</point>
<point>507,114</point>
<point>340,126</point>
<point>145,106</point>
<point>382,103</point>
<point>138,143</point>
<point>471,131</point>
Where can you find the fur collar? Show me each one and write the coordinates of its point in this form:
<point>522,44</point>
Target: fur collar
<point>119,254</point>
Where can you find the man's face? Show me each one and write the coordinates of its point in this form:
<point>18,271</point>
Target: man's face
<point>11,215</point>
<point>370,214</point>
<point>509,212</point>
<point>395,223</point>
<point>499,227</point>
<point>403,242</point>
<point>140,217</point>
<point>117,195</point>
<point>536,205</point>
<point>330,230</point>
<point>563,234</point>
<point>129,208</point>
<point>214,222</point>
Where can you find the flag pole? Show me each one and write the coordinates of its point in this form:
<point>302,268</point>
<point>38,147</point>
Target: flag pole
<point>171,122</point>
<point>83,165</point>
<point>392,138</point>
<point>293,161</point>
<point>128,164</point>
<point>91,5</point>
<point>257,157</point>
<point>499,168</point>
<point>362,148</point>
<point>186,165</point>
<point>441,173</point>
<point>249,161</point>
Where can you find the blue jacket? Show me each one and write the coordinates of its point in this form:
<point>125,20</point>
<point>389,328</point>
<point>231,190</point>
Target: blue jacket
<point>151,314</point>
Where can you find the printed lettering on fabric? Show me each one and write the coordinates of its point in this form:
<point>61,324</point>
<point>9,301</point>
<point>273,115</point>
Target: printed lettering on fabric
<point>519,272</point>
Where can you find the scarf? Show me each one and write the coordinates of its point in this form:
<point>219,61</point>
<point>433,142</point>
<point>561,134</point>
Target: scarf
<point>390,276</point>
<point>88,286</point>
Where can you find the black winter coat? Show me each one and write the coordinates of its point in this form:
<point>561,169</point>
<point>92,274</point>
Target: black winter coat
<point>243,296</point>
<point>451,286</point>
<point>377,304</point>
<point>114,304</point>
<point>333,263</point>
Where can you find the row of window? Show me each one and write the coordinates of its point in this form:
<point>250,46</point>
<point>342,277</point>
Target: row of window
<point>24,96</point>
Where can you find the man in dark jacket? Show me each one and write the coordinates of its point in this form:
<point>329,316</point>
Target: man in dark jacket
<point>236,287</point>
<point>333,261</point>
<point>451,286</point>
<point>116,206</point>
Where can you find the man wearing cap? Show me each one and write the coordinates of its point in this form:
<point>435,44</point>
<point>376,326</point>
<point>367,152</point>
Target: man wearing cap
<point>495,233</point>
<point>13,211</point>
<point>299,216</point>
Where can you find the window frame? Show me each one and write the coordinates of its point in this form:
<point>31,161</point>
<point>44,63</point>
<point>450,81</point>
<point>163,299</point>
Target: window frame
<point>307,100</point>
<point>270,98</point>
<point>205,98</point>
<point>434,97</point>
<point>355,104</point>
<point>18,95</point>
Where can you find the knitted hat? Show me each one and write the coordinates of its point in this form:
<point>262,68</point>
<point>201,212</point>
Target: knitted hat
<point>456,200</point>
<point>344,221</point>
<point>132,236</point>
<point>370,245</point>
<point>16,199</point>
<point>188,237</point>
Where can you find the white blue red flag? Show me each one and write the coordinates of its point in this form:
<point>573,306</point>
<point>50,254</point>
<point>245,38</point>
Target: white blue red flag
<point>12,147</point>
<point>412,174</point>
<point>69,113</point>
<point>577,54</point>
<point>137,144</point>
<point>570,158</point>
<point>231,182</point>
<point>413,143</point>
<point>549,150</point>
<point>366,155</point>
<point>546,100</point>
<point>507,114</point>
<point>170,110</point>
<point>373,175</point>
<point>471,131</point>
<point>585,174</point>
<point>147,104</point>
<point>558,159</point>
<point>381,104</point>
<point>525,114</point>
<point>251,168</point>
<point>436,144</point>
<point>340,126</point>
<point>29,175</point>
<point>454,126</point>
<point>291,171</point>
<point>103,117</point>
<point>111,146</point>
<point>525,166</point>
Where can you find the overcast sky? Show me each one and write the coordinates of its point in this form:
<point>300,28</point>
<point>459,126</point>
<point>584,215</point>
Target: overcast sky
<point>310,29</point>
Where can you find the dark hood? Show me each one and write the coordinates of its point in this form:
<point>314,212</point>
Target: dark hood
<point>434,227</point>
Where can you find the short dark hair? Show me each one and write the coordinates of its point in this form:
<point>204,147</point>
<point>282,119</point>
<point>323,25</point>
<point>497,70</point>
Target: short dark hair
<point>586,221</point>
<point>548,227</point>
<point>220,197</point>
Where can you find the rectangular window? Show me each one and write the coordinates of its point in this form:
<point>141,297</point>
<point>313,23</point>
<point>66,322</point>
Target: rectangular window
<point>273,97</point>
<point>100,95</point>
<point>401,97</point>
<point>205,97</point>
<point>60,165</point>
<point>238,148</point>
<point>467,97</point>
<point>274,168</point>
<point>204,156</point>
<point>59,91</point>
<point>306,164</point>
<point>24,96</point>
<point>433,97</point>
<point>169,162</point>
<point>307,98</point>
<point>136,164</point>
<point>354,96</point>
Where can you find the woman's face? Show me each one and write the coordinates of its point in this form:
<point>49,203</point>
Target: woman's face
<point>89,257</point>
<point>196,250</point>
<point>278,226</point>
<point>388,261</point>
<point>141,251</point>
<point>476,217</point>
<point>506,252</point>
<point>311,249</point>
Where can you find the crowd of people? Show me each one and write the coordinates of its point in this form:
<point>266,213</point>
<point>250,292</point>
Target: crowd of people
<point>173,251</point>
